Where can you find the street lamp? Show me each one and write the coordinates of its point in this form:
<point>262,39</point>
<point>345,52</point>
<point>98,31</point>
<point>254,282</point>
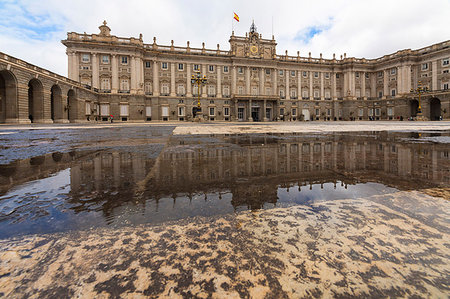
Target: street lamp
<point>419,91</point>
<point>200,81</point>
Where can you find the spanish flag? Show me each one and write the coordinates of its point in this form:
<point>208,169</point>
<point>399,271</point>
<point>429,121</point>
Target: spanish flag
<point>236,17</point>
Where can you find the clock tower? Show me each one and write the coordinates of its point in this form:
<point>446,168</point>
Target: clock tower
<point>253,45</point>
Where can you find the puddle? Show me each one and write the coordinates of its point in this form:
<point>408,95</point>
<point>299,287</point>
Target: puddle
<point>207,176</point>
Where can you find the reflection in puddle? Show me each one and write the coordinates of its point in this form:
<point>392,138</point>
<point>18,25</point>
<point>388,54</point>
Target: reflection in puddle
<point>204,176</point>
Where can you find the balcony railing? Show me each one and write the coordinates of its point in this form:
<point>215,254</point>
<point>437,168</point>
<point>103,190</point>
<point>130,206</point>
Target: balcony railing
<point>294,98</point>
<point>305,98</point>
<point>124,91</point>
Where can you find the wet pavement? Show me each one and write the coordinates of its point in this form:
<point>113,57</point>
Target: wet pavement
<point>135,211</point>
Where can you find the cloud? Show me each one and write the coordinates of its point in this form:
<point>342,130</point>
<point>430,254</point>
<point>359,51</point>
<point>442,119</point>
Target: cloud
<point>32,30</point>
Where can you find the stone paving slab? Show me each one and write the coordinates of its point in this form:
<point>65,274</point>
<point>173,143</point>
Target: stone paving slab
<point>381,246</point>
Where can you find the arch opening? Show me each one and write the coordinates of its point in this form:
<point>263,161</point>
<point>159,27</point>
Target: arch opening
<point>56,104</point>
<point>8,96</point>
<point>35,100</point>
<point>413,108</point>
<point>72,106</point>
<point>435,109</point>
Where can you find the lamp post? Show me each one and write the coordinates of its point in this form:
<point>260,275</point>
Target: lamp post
<point>200,81</point>
<point>419,91</point>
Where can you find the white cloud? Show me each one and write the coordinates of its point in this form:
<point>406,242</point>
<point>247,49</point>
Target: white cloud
<point>32,30</point>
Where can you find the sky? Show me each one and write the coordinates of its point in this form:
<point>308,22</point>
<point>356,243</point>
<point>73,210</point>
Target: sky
<point>32,30</point>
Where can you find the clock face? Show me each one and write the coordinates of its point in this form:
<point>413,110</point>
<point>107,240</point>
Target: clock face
<point>253,49</point>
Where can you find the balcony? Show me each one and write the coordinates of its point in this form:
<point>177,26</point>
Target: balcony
<point>328,99</point>
<point>105,90</point>
<point>181,95</point>
<point>165,94</point>
<point>124,91</point>
<point>148,93</point>
<point>305,98</point>
<point>316,99</point>
<point>294,98</point>
<point>282,97</point>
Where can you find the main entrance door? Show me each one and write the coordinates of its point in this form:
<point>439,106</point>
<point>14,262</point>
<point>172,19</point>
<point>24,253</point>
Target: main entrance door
<point>305,113</point>
<point>240,113</point>
<point>255,114</point>
<point>269,113</point>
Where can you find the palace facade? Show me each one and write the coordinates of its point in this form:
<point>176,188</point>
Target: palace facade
<point>138,82</point>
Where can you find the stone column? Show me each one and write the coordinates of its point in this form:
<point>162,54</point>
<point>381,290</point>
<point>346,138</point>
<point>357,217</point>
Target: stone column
<point>288,95</point>
<point>219,82</point>
<point>233,81</point>
<point>172,80</point>
<point>95,71</point>
<point>333,86</point>
<point>373,85</point>
<point>188,80</point>
<point>203,91</point>
<point>322,93</point>
<point>346,84</point>
<point>299,87</point>
<point>247,81</point>
<point>407,79</point>
<point>250,110</point>
<point>140,78</point>
<point>70,56</point>
<point>311,95</point>
<point>353,80</point>
<point>115,73</point>
<point>75,66</point>
<point>261,81</point>
<point>133,74</point>
<point>386,84</point>
<point>275,82</point>
<point>264,111</point>
<point>434,82</point>
<point>155,79</point>
<point>363,85</point>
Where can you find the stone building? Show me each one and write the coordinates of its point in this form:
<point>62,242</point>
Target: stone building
<point>139,82</point>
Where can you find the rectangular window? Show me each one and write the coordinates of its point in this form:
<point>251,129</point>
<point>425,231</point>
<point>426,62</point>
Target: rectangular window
<point>88,108</point>
<point>211,90</point>
<point>327,75</point>
<point>148,111</point>
<point>281,72</point>
<point>181,89</point>
<point>357,74</point>
<point>180,111</point>
<point>281,111</point>
<point>124,110</point>
<point>104,109</point>
<point>268,91</point>
<point>240,70</point>
<point>148,64</point>
<point>445,61</point>
<point>380,94</point>
<point>445,71</point>
<point>254,91</point>
<point>148,87</point>
<point>294,112</point>
<point>390,111</point>
<point>211,68</point>
<point>377,112</point>
<point>124,60</point>
<point>305,94</point>
<point>393,92</point>
<point>305,74</point>
<point>380,74</point>
<point>226,91</point>
<point>328,112</point>
<point>424,66</point>
<point>226,111</point>
<point>240,90</point>
<point>367,75</point>
<point>361,112</point>
<point>393,71</point>
<point>164,111</point>
<point>124,85</point>
<point>85,58</point>
<point>316,94</point>
<point>445,86</point>
<point>267,71</point>
<point>337,76</point>
<point>370,112</point>
<point>293,92</point>
<point>165,89</point>
<point>164,65</point>
<point>196,67</point>
<point>212,111</point>
<point>292,73</point>
<point>180,66</point>
<point>225,69</point>
<point>105,59</point>
<point>316,74</point>
<point>105,84</point>
<point>317,112</point>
